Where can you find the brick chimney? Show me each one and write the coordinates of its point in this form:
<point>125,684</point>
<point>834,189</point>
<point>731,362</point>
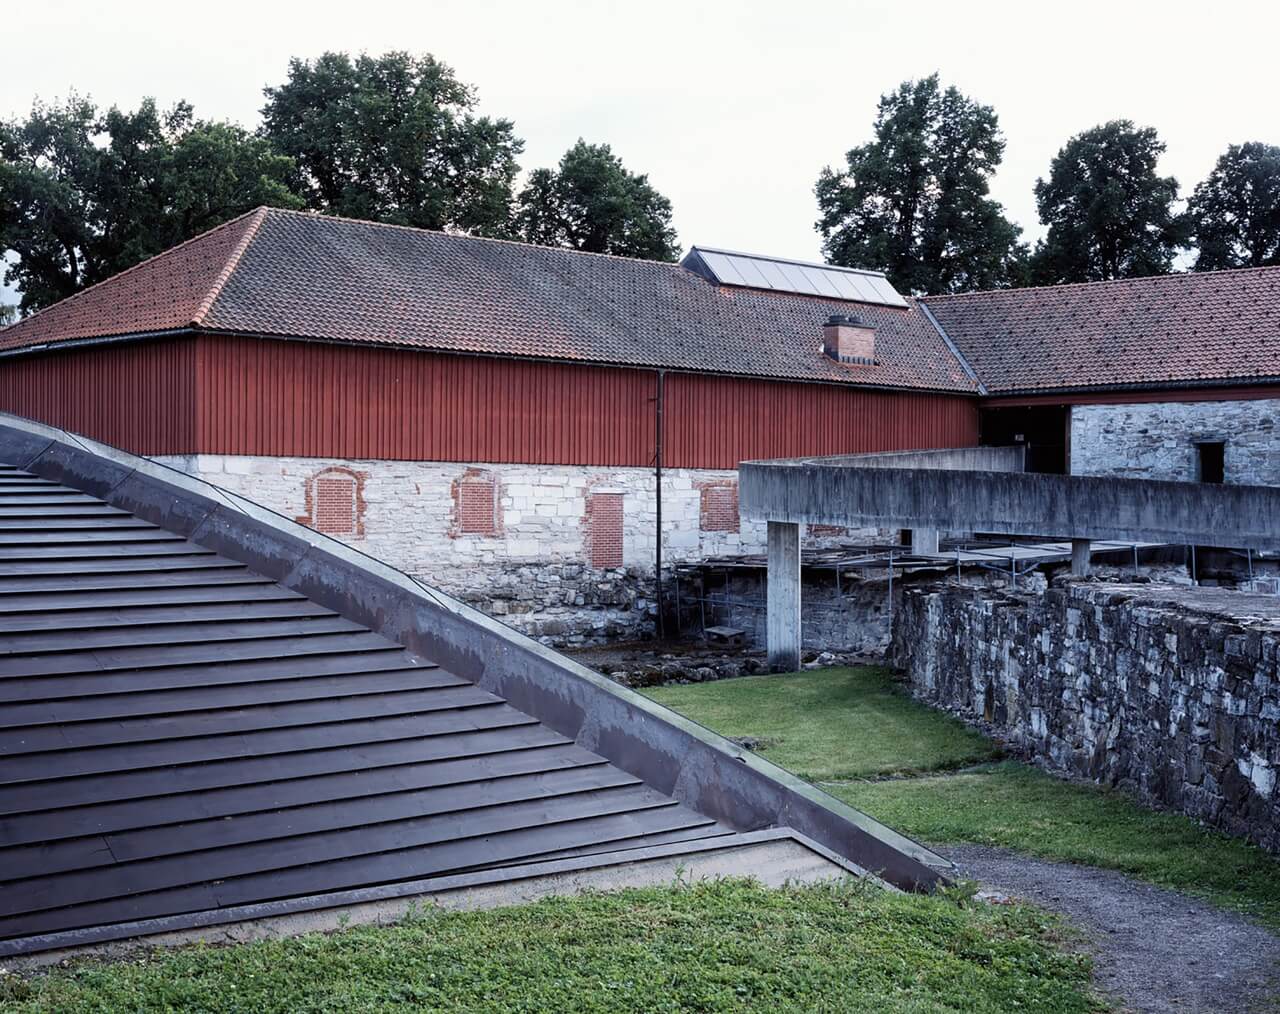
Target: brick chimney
<point>848,340</point>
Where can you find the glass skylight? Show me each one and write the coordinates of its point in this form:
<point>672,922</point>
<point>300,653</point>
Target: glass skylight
<point>724,267</point>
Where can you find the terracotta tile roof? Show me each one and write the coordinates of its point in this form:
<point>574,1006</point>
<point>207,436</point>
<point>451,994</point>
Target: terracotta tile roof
<point>1168,330</point>
<point>169,291</point>
<point>297,275</point>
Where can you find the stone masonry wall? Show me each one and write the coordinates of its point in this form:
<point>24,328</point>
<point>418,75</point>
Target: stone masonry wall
<point>853,618</point>
<point>1173,693</point>
<point>534,569</point>
<point>1157,441</point>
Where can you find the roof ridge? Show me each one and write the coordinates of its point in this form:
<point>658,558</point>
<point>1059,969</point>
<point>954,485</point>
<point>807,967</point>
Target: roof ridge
<point>233,261</point>
<point>952,347</point>
<point>134,267</point>
<point>322,217</point>
<point>1167,276</point>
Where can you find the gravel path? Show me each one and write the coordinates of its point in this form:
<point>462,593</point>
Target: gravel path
<point>1153,949</point>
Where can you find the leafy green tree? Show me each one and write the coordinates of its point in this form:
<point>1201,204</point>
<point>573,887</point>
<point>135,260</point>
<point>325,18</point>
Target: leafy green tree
<point>1109,213</point>
<point>8,314</point>
<point>393,138</point>
<point>1235,212</point>
<point>592,202</point>
<point>914,202</point>
<point>84,194</point>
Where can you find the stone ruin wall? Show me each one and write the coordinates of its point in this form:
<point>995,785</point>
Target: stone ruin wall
<point>1171,693</point>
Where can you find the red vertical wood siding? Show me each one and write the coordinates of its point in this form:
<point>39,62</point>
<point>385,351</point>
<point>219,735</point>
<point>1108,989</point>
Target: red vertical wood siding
<point>139,396</point>
<point>716,422</point>
<point>234,395</point>
<point>307,399</point>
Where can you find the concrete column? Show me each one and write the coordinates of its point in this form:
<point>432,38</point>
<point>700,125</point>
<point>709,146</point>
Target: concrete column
<point>783,627</point>
<point>1080,557</point>
<point>924,541</point>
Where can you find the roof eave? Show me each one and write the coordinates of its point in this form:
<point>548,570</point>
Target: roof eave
<point>97,340</point>
<point>205,329</point>
<point>1152,385</point>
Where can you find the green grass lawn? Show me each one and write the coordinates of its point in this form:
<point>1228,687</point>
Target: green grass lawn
<point>832,724</point>
<point>837,726</point>
<point>712,946</point>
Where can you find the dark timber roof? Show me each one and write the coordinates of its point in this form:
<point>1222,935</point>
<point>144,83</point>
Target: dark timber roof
<point>209,713</point>
<point>295,275</point>
<point>180,734</point>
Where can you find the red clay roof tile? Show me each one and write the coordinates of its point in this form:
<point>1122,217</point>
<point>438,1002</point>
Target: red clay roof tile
<point>164,293</point>
<point>297,275</point>
<point>1167,330</point>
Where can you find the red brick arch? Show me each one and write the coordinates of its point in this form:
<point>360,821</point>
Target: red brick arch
<point>335,502</point>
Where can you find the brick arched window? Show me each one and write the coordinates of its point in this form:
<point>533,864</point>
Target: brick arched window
<point>335,507</point>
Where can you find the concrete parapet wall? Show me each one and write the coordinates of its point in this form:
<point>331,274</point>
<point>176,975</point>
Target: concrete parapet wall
<point>973,459</point>
<point>1012,503</point>
<point>1173,693</point>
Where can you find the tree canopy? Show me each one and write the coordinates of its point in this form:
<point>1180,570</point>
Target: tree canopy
<point>1109,213</point>
<point>914,202</point>
<point>1235,213</point>
<point>86,194</point>
<point>592,202</point>
<point>393,138</point>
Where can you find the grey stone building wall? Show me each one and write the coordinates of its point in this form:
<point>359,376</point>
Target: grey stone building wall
<point>1173,693</point>
<point>1158,441</point>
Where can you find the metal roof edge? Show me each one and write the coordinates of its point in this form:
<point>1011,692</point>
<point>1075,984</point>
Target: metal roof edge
<point>93,342</point>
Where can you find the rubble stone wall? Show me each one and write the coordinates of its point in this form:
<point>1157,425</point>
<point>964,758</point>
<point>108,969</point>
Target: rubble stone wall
<point>1173,693</point>
<point>852,617</point>
<point>1158,441</point>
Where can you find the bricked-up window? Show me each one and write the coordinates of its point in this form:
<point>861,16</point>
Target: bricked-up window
<point>604,521</point>
<point>478,506</point>
<point>720,508</point>
<point>334,503</point>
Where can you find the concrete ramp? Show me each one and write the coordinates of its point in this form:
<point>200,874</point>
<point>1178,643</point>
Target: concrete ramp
<point>209,715</point>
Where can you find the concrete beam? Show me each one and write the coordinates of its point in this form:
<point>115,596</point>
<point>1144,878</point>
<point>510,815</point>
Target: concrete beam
<point>1011,503</point>
<point>924,541</point>
<point>783,629</point>
<point>1081,554</point>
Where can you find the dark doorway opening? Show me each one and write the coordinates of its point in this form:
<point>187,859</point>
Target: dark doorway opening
<point>1212,461</point>
<point>1043,429</point>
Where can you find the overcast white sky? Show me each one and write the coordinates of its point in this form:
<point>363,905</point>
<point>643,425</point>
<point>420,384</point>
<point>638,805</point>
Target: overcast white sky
<point>732,107</point>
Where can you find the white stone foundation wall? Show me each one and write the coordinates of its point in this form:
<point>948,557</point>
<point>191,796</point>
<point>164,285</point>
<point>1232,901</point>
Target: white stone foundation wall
<point>1158,441</point>
<point>536,572</point>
